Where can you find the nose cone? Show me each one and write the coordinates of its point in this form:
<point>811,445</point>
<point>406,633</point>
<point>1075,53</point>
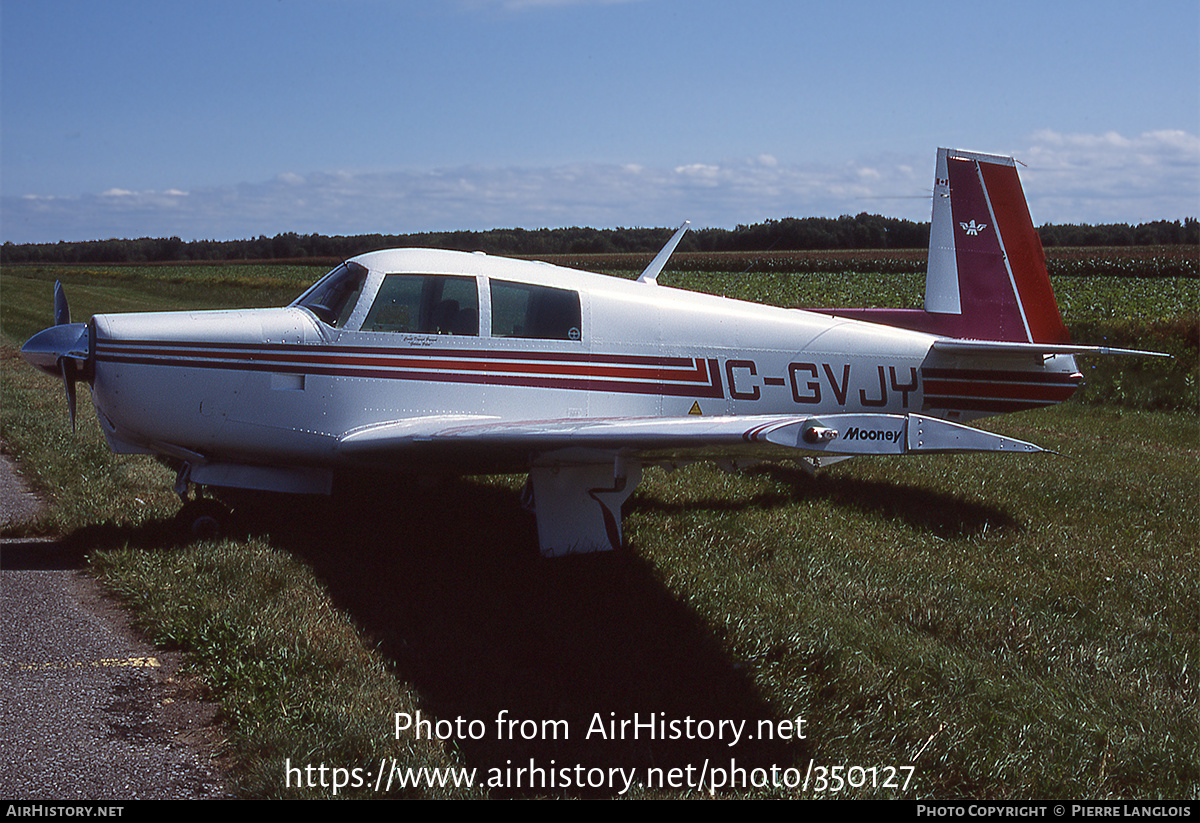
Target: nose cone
<point>47,347</point>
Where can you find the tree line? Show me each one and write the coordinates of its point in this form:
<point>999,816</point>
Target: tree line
<point>864,231</point>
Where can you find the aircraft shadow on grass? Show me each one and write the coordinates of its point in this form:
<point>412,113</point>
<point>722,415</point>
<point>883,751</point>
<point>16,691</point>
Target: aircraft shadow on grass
<point>448,581</point>
<point>947,516</point>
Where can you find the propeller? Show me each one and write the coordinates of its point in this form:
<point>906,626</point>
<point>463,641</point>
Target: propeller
<point>63,350</point>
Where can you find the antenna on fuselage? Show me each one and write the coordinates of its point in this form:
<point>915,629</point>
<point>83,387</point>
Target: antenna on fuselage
<point>650,275</point>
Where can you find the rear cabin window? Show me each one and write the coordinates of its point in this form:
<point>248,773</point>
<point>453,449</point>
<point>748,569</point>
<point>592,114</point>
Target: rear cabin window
<point>425,303</point>
<point>542,312</point>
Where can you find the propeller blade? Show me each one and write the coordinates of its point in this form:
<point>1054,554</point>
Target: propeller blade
<point>62,312</point>
<point>67,365</point>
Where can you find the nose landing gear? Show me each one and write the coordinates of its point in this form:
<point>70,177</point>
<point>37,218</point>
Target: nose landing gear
<point>202,518</point>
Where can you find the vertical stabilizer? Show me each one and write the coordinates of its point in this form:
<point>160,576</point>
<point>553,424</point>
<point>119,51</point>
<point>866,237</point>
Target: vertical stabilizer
<point>986,263</point>
<point>941,275</point>
<point>986,278</point>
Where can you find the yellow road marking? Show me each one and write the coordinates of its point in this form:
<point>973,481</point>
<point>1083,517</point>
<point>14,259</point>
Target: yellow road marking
<point>111,663</point>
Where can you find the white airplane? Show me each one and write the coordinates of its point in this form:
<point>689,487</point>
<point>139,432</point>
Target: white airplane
<point>416,360</point>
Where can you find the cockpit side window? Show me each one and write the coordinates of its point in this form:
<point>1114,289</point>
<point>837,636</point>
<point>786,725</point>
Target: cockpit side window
<point>542,312</point>
<point>426,304</point>
<point>332,299</point>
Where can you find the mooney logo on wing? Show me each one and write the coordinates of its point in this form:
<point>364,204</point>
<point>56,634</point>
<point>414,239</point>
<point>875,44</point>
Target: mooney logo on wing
<point>855,433</point>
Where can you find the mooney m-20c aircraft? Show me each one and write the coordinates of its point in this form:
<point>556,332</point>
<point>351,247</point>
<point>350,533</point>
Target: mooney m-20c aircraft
<point>415,360</point>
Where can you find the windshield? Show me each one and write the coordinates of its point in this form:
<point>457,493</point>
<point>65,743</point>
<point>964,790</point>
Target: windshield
<point>333,297</point>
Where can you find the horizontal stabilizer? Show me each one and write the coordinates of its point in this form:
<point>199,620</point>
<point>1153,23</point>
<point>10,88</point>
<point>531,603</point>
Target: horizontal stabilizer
<point>1001,348</point>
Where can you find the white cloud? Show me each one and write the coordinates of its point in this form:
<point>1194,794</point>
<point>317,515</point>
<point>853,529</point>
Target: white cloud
<point>1099,178</point>
<point>1076,178</point>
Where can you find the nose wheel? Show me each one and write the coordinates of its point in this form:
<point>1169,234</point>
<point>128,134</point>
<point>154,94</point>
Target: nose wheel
<point>203,518</point>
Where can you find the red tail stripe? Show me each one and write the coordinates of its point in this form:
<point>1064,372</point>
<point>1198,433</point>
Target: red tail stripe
<point>1048,394</point>
<point>1025,255</point>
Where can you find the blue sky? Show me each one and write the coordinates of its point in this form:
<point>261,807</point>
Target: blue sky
<point>224,120</point>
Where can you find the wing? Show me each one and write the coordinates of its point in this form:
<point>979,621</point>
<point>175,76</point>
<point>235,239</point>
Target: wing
<point>667,439</point>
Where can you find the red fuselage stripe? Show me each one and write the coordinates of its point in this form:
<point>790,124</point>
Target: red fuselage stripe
<point>629,374</point>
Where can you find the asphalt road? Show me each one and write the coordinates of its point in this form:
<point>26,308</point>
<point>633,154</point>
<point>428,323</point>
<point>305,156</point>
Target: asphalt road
<point>90,711</point>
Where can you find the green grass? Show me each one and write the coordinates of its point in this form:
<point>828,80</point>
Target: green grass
<point>1009,626</point>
